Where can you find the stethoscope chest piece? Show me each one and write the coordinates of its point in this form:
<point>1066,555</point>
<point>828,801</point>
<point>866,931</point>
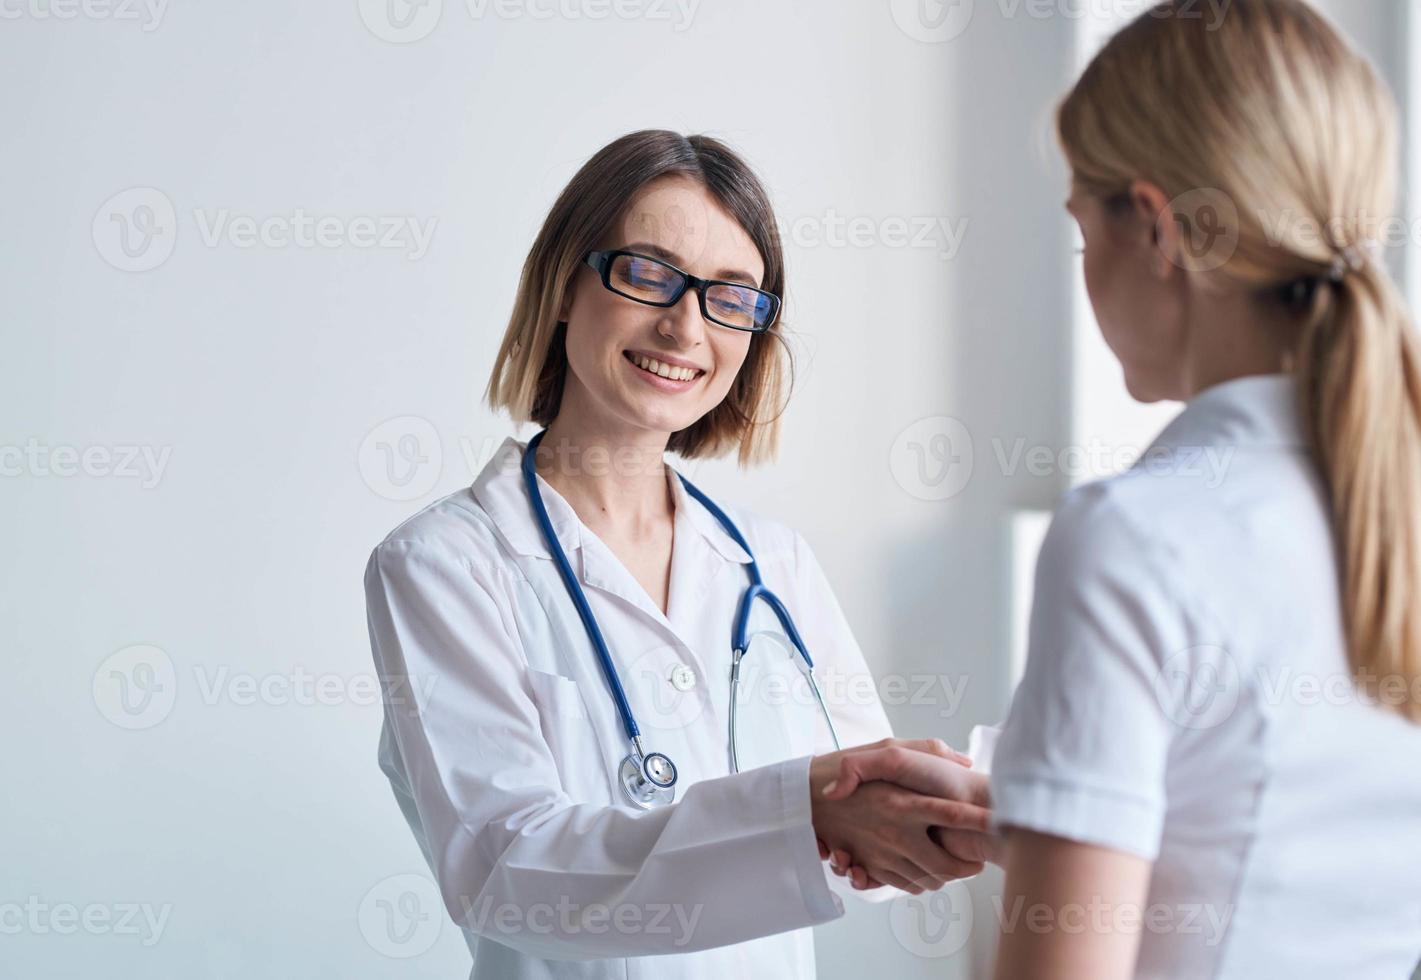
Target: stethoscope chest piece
<point>648,781</point>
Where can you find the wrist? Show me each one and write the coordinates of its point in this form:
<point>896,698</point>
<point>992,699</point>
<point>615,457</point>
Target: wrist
<point>823,770</point>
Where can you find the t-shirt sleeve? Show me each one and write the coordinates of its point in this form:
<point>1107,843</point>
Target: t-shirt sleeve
<point>1084,750</point>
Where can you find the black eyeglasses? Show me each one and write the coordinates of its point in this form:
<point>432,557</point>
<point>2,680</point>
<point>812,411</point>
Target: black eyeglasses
<point>657,283</point>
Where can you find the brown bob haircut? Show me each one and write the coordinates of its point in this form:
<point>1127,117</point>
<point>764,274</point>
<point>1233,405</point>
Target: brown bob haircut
<point>531,367</point>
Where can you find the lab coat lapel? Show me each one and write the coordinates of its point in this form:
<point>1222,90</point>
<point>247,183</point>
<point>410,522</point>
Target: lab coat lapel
<point>602,570</point>
<point>703,550</point>
<point>598,568</point>
<point>700,551</point>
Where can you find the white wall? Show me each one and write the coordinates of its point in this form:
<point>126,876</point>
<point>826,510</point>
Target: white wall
<point>263,377</point>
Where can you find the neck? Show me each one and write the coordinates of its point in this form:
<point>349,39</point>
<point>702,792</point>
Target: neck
<point>1235,336</point>
<point>608,475</point>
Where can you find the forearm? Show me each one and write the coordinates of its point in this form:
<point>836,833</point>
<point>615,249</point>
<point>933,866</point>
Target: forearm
<point>734,860</point>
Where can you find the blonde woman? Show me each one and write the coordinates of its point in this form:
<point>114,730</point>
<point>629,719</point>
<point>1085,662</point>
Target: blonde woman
<point>1212,768</point>
<point>587,782</point>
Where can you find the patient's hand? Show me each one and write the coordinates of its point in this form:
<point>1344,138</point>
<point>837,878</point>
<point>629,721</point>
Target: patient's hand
<point>889,828</point>
<point>926,772</point>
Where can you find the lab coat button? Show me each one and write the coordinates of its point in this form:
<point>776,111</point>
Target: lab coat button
<point>683,678</point>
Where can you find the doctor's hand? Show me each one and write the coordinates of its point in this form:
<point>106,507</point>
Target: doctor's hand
<point>887,828</point>
<point>923,772</point>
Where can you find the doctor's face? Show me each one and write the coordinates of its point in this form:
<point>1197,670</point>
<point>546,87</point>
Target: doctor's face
<point>1130,283</point>
<point>651,368</point>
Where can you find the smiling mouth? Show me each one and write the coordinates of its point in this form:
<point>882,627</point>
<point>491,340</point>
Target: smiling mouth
<point>670,372</point>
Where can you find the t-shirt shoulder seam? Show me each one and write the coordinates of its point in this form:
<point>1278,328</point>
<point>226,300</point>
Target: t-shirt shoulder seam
<point>1152,551</point>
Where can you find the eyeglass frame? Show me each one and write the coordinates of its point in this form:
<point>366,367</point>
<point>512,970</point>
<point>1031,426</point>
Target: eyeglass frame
<point>600,262</point>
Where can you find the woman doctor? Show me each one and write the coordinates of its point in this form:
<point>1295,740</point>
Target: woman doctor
<point>572,781</point>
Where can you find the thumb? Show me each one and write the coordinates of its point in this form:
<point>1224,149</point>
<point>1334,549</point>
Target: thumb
<point>862,767</point>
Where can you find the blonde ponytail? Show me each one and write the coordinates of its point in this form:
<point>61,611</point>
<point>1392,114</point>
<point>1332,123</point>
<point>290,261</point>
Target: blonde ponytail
<point>1359,374</point>
<point>1271,109</point>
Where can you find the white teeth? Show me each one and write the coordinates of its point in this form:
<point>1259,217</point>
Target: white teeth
<point>664,370</point>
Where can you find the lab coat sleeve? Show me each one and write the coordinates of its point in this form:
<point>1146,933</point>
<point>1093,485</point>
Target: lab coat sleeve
<point>1084,750</point>
<point>515,858</point>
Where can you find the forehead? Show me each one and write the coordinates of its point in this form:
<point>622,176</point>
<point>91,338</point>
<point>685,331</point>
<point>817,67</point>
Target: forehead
<point>679,215</point>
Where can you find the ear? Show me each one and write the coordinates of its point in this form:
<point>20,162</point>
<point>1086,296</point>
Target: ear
<point>1156,221</point>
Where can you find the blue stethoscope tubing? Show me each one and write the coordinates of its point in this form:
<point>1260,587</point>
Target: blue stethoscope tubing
<point>649,778</point>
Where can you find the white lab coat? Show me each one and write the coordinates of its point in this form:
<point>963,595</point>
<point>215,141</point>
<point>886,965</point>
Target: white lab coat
<point>505,767</point>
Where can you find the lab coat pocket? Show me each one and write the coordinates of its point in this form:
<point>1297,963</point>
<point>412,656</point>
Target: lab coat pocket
<point>556,694</point>
<point>567,730</point>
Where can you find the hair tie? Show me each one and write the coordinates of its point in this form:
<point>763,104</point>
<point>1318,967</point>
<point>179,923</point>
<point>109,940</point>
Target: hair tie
<point>1354,258</point>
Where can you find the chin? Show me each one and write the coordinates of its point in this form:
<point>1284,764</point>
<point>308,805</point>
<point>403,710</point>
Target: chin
<point>1145,390</point>
<point>657,419</point>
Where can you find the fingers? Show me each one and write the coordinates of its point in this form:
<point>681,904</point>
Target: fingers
<point>979,789</point>
<point>901,874</point>
<point>823,848</point>
<point>911,860</point>
<point>938,865</point>
<point>953,814</point>
<point>925,765</point>
<point>884,834</point>
<point>932,746</point>
<point>937,746</point>
<point>842,864</point>
<point>969,845</point>
<point>929,872</point>
<point>920,882</point>
<point>862,880</point>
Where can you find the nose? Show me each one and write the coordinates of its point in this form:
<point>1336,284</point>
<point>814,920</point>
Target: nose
<point>683,322</point>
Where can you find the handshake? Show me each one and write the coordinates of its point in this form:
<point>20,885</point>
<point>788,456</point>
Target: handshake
<point>911,813</point>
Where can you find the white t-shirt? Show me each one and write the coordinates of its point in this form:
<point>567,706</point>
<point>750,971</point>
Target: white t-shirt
<point>1187,699</point>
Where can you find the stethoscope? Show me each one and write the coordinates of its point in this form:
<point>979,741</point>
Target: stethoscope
<point>648,779</point>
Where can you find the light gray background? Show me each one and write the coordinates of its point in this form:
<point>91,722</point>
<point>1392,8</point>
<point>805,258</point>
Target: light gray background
<point>271,377</point>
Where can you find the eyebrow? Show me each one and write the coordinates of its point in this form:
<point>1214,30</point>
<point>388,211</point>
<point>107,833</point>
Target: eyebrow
<point>666,255</point>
